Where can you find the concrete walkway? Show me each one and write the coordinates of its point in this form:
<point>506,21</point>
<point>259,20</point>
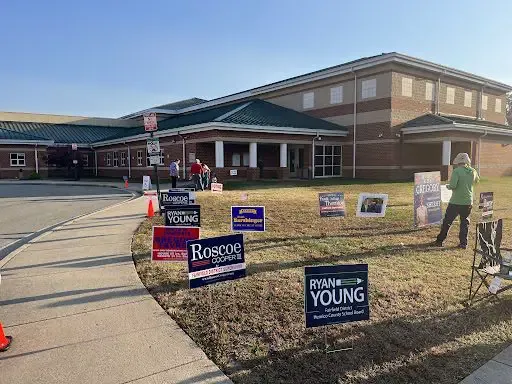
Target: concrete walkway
<point>496,371</point>
<point>79,313</point>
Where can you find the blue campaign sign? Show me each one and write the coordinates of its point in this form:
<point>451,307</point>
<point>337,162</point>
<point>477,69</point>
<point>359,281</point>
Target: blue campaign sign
<point>215,259</point>
<point>174,198</point>
<point>248,219</point>
<point>336,294</point>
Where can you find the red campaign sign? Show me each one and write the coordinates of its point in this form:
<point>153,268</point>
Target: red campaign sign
<point>170,243</point>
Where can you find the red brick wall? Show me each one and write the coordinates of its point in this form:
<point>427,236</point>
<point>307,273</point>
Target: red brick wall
<point>496,159</point>
<point>8,172</point>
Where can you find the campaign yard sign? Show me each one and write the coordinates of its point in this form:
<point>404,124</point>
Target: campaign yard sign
<point>336,294</point>
<point>170,243</point>
<point>183,216</point>
<point>247,219</point>
<point>215,259</point>
<point>174,198</point>
<point>332,204</point>
<point>427,199</point>
<point>217,187</point>
<point>486,204</point>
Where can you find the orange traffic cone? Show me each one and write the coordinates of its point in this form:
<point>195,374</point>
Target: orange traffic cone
<point>5,341</point>
<point>151,211</point>
<point>126,183</point>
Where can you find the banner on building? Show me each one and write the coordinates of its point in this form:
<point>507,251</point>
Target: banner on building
<point>247,219</point>
<point>183,216</point>
<point>487,204</point>
<point>427,199</point>
<point>215,259</point>
<point>217,187</point>
<point>336,294</point>
<point>170,243</point>
<point>371,205</point>
<point>332,204</point>
<point>174,198</point>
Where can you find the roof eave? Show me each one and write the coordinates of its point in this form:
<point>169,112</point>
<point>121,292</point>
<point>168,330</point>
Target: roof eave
<point>26,142</point>
<point>457,127</point>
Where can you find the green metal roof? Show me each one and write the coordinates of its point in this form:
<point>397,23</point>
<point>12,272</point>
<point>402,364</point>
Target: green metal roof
<point>181,104</point>
<point>431,119</point>
<point>63,133</point>
<point>7,134</point>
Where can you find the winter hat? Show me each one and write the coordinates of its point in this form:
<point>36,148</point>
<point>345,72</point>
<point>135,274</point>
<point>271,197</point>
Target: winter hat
<point>462,158</point>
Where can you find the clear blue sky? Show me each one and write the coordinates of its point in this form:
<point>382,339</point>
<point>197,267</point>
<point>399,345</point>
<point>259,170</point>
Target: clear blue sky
<point>109,58</point>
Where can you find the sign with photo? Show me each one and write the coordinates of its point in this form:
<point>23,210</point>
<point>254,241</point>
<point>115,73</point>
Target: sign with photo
<point>170,243</point>
<point>486,204</point>
<point>183,216</point>
<point>336,294</point>
<point>427,199</point>
<point>174,198</point>
<point>215,259</point>
<point>247,219</point>
<point>332,204</point>
<point>217,187</point>
<point>371,205</point>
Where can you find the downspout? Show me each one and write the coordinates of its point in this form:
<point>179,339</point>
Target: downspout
<point>129,160</point>
<point>479,150</point>
<point>37,160</point>
<point>95,162</point>
<point>355,127</point>
<point>313,155</point>
<point>184,165</point>
<point>438,93</point>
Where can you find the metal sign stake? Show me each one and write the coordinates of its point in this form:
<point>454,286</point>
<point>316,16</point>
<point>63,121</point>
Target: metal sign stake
<point>155,173</point>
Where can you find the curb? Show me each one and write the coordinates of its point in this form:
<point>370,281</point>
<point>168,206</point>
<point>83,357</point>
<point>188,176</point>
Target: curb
<point>71,183</point>
<point>10,251</point>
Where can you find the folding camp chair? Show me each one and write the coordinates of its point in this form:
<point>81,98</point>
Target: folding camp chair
<point>488,247</point>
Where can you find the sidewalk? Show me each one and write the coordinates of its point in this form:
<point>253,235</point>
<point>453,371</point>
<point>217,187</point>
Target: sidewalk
<point>79,313</point>
<point>495,371</point>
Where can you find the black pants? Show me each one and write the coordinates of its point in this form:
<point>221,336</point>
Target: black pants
<point>451,214</point>
<point>174,179</point>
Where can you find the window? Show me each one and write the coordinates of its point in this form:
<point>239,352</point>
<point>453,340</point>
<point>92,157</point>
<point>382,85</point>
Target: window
<point>406,86</point>
<point>246,159</point>
<point>116,159</point>
<point>123,159</point>
<point>327,160</point>
<point>17,159</point>
<point>308,100</point>
<point>497,106</point>
<point>429,91</point>
<point>450,95</point>
<point>109,159</point>
<point>139,158</point>
<point>85,160</point>
<point>161,162</point>
<point>235,160</point>
<point>485,100</point>
<point>468,97</point>
<point>337,95</point>
<point>369,88</point>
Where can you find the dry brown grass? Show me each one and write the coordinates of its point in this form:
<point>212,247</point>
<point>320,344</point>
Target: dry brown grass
<point>419,332</point>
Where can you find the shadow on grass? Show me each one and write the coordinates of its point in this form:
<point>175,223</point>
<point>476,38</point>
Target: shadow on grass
<point>399,350</point>
<point>267,184</point>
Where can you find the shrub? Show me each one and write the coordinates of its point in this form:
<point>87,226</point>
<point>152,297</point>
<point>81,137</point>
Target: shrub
<point>34,176</point>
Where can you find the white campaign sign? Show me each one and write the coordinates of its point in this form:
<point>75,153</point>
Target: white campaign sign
<point>495,285</point>
<point>446,194</point>
<point>146,183</point>
<point>153,146</point>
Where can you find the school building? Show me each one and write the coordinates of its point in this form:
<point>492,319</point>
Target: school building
<point>381,117</point>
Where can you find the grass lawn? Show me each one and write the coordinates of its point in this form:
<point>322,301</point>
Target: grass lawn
<point>419,332</point>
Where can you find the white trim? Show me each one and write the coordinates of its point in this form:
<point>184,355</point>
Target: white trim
<point>340,70</point>
<point>456,127</point>
<point>26,142</point>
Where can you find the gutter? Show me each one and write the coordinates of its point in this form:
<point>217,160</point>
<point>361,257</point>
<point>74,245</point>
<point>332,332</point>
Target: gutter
<point>355,127</point>
<point>129,161</point>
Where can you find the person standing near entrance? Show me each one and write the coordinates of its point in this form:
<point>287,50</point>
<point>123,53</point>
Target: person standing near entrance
<point>196,170</point>
<point>461,183</point>
<point>174,172</point>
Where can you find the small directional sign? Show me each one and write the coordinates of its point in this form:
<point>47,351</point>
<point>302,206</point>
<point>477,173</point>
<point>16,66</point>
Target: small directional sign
<point>153,146</point>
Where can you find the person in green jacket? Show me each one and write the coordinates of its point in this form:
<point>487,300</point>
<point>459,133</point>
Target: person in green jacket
<point>461,183</point>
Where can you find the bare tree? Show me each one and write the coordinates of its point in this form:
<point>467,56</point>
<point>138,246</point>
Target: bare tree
<point>509,108</point>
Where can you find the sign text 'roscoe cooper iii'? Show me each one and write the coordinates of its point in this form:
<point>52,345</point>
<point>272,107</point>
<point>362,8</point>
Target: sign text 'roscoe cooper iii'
<point>175,198</point>
<point>183,216</point>
<point>215,259</point>
<point>336,294</point>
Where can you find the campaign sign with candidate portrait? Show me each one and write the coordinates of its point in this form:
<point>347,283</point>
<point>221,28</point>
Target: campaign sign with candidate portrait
<point>336,294</point>
<point>170,243</point>
<point>247,219</point>
<point>332,204</point>
<point>486,204</point>
<point>371,205</point>
<point>427,199</point>
<point>183,216</point>
<point>215,259</point>
<point>174,198</point>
